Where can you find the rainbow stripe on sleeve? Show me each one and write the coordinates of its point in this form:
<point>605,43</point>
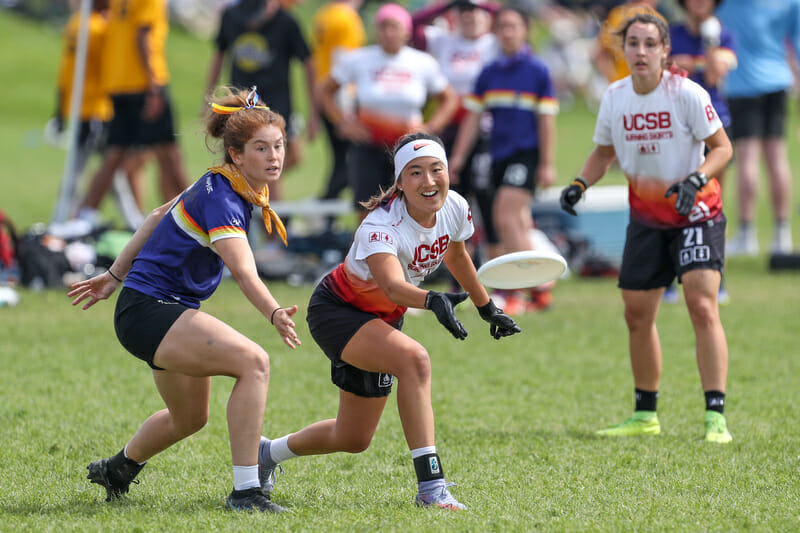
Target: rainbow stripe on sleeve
<point>186,223</point>
<point>224,232</point>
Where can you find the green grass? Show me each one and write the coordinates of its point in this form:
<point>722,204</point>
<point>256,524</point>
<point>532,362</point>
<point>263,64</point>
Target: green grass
<point>515,418</point>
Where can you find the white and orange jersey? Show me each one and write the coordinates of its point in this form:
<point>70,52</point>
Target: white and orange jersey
<point>390,229</point>
<point>658,138</point>
<point>391,89</point>
<point>461,59</point>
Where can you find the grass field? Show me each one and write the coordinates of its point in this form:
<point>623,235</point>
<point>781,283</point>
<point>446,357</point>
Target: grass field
<point>515,418</point>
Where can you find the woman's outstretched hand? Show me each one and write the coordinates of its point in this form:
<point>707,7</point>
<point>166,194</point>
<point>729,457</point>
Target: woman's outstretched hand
<point>95,289</point>
<point>282,320</point>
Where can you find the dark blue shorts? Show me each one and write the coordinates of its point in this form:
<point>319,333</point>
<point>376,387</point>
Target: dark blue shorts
<point>142,321</point>
<point>332,323</point>
<point>654,257</point>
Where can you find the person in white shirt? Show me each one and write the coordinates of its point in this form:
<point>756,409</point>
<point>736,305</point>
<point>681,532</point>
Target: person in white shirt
<point>393,82</point>
<point>657,124</point>
<point>356,313</point>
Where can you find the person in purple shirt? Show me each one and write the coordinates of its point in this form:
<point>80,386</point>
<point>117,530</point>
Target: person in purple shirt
<point>173,262</point>
<point>518,91</point>
<point>705,49</point>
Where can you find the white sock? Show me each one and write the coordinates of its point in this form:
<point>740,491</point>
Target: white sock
<point>125,453</point>
<point>279,450</point>
<point>245,477</point>
<point>419,452</point>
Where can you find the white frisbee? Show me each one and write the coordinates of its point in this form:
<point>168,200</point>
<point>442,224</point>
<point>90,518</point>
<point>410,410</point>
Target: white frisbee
<point>521,270</point>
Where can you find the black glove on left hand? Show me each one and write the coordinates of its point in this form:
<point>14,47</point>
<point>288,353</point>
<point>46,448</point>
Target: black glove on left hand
<point>687,192</point>
<point>502,324</point>
<point>443,305</point>
<point>570,195</point>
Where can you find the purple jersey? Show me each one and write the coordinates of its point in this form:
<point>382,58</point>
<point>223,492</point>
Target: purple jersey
<point>515,90</point>
<point>179,262</point>
<point>684,43</point>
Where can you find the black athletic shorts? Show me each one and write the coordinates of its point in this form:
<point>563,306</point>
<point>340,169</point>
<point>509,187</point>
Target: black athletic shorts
<point>128,129</point>
<point>332,323</point>
<point>475,181</point>
<point>92,135</point>
<point>517,170</point>
<point>142,321</point>
<point>762,116</point>
<point>653,257</point>
<point>370,168</point>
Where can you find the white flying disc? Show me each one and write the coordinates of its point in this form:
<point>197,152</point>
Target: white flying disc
<point>521,270</point>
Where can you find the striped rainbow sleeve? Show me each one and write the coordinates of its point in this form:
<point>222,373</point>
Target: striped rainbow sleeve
<point>225,232</point>
<point>188,225</point>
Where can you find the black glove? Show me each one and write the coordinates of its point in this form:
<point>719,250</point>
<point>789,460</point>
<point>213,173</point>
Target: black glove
<point>443,306</point>
<point>502,324</point>
<point>573,193</point>
<point>687,191</point>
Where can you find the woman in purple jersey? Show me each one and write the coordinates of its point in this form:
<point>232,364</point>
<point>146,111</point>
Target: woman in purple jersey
<point>174,261</point>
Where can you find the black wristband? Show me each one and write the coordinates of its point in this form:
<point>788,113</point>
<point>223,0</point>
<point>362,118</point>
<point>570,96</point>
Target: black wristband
<point>272,316</point>
<point>487,310</point>
<point>113,276</point>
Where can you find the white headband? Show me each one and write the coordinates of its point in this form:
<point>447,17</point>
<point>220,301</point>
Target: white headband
<point>414,149</point>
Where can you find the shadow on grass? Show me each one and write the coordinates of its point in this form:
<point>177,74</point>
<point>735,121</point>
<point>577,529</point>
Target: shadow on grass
<point>78,505</point>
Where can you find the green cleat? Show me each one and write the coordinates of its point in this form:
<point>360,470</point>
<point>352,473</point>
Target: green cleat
<point>717,428</point>
<point>641,423</point>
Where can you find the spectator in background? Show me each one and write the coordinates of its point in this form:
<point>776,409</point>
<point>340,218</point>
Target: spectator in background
<point>704,49</point>
<point>462,53</point>
<point>609,59</point>
<point>392,84</point>
<point>337,28</point>
<point>260,39</point>
<point>136,74</point>
<point>757,92</point>
<point>518,91</point>
<point>95,113</point>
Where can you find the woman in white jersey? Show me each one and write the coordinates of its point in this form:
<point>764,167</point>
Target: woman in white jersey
<point>657,123</point>
<point>356,313</point>
<point>172,263</point>
<point>392,83</point>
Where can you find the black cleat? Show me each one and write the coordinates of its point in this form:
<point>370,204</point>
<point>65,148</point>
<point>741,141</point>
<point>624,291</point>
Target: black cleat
<point>254,499</point>
<point>115,480</point>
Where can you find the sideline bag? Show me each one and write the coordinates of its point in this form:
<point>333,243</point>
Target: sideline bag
<point>41,267</point>
<point>9,244</point>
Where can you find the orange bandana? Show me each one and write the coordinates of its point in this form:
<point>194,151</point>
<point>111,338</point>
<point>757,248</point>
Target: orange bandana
<point>261,198</point>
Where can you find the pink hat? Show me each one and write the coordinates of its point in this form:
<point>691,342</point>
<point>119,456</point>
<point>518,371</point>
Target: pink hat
<point>396,12</point>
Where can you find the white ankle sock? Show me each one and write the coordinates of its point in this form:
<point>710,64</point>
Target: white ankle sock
<point>245,477</point>
<point>279,450</point>
<point>425,450</point>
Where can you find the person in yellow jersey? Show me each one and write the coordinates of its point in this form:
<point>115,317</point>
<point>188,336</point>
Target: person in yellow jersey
<point>136,78</point>
<point>95,112</point>
<point>338,28</point>
<point>609,59</point>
